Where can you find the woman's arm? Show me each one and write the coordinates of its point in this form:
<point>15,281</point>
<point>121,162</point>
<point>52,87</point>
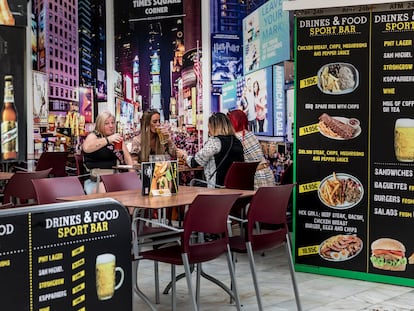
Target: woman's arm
<point>127,155</point>
<point>171,148</point>
<point>210,148</point>
<point>136,145</point>
<point>93,143</point>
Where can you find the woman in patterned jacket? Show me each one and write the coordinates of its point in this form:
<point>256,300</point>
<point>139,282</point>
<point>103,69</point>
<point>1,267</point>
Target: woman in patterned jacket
<point>252,150</point>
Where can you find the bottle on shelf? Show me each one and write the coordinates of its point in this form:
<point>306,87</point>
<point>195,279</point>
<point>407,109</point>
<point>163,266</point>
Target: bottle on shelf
<point>9,124</point>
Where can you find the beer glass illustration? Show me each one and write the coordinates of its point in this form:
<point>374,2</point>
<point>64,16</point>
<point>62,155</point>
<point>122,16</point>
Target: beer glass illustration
<point>105,276</point>
<point>404,140</point>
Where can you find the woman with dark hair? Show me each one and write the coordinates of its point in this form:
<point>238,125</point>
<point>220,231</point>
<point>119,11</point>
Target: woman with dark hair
<point>148,142</point>
<point>99,151</point>
<point>252,150</point>
<point>221,149</point>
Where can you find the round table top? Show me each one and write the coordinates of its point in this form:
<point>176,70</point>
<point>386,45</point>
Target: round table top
<point>6,175</point>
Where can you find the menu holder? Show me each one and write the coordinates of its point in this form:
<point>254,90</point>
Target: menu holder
<point>159,178</point>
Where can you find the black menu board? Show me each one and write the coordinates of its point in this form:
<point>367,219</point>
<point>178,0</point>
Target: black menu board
<point>68,256</point>
<point>354,144</point>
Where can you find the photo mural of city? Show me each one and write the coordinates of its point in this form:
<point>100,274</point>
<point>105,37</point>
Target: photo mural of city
<point>158,59</point>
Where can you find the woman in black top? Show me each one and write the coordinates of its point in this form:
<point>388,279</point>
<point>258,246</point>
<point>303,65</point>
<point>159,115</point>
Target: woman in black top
<point>99,151</point>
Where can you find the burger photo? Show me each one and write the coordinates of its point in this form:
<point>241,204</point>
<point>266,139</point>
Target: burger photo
<point>388,254</point>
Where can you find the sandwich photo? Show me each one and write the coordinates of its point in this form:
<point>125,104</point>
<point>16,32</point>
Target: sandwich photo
<point>388,254</point>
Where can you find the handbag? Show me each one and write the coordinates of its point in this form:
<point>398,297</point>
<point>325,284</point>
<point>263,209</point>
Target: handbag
<point>203,183</point>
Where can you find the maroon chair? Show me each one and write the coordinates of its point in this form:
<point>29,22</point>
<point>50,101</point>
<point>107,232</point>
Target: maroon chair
<point>80,168</point>
<point>48,189</point>
<point>191,251</point>
<point>131,181</point>
<point>55,160</point>
<point>267,207</point>
<point>19,189</point>
<point>241,175</point>
<point>121,181</point>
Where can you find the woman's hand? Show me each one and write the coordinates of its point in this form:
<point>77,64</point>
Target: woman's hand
<point>115,138</point>
<point>182,155</point>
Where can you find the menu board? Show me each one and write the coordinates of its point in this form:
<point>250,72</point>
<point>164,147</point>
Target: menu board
<point>355,142</point>
<point>159,178</point>
<point>67,256</point>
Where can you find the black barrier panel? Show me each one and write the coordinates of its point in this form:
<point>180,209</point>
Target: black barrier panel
<point>67,256</point>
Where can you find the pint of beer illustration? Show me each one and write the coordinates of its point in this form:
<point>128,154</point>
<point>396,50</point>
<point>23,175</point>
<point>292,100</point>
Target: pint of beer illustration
<point>404,140</point>
<point>105,276</point>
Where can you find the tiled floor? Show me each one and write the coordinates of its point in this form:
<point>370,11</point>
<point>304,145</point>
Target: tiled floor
<point>317,292</point>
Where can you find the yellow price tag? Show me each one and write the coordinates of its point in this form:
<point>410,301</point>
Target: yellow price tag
<point>309,129</point>
<point>308,82</point>
<point>313,186</point>
<point>308,250</point>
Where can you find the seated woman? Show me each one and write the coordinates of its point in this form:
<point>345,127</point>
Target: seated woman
<point>99,151</point>
<point>220,150</point>
<point>252,150</point>
<point>148,142</point>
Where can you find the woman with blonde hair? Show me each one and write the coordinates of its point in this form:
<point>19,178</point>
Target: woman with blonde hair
<point>252,150</point>
<point>220,150</point>
<point>148,142</point>
<point>99,151</point>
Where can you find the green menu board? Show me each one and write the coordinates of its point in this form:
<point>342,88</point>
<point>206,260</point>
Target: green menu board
<point>354,148</point>
<point>69,256</point>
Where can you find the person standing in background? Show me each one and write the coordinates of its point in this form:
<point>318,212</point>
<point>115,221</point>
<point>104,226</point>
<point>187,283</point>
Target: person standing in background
<point>250,111</point>
<point>99,151</point>
<point>259,105</point>
<point>252,150</point>
<point>147,142</point>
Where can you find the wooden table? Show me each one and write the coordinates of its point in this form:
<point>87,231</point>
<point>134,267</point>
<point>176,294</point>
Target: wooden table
<point>134,198</point>
<point>136,202</point>
<point>6,175</point>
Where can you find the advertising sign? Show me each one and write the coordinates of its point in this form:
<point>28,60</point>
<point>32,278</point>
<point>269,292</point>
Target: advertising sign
<point>141,10</point>
<point>67,256</point>
<point>12,60</point>
<point>40,98</point>
<point>13,12</point>
<point>266,36</point>
<point>353,144</point>
<point>229,98</point>
<point>259,90</point>
<point>226,58</point>
<point>279,100</point>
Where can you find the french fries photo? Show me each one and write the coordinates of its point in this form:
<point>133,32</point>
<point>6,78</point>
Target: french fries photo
<point>340,191</point>
<point>331,191</point>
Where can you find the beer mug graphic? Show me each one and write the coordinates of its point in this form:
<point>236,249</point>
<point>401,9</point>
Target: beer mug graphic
<point>106,275</point>
<point>404,140</point>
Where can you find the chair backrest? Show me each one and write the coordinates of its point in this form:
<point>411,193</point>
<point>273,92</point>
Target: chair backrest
<point>55,160</point>
<point>48,189</point>
<point>287,176</point>
<point>121,181</point>
<point>241,175</point>
<point>207,214</point>
<point>268,206</point>
<point>19,189</point>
